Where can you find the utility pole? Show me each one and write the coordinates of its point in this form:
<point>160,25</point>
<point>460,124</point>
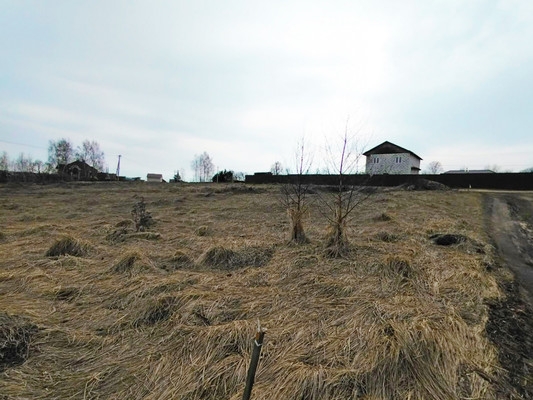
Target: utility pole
<point>118,167</point>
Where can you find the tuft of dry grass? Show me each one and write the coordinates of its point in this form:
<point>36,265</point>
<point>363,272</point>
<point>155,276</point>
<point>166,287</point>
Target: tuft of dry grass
<point>383,217</point>
<point>219,257</point>
<point>125,223</point>
<point>156,311</point>
<point>131,262</point>
<point>337,244</point>
<point>400,265</point>
<point>16,334</point>
<point>297,230</point>
<point>202,230</point>
<point>387,237</point>
<point>66,293</point>
<point>68,246</point>
<point>180,260</point>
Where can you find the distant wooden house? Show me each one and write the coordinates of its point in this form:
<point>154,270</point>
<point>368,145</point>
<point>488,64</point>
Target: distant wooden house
<point>78,171</point>
<point>154,178</point>
<point>388,158</point>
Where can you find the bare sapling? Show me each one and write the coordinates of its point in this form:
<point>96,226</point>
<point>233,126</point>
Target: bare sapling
<point>345,197</point>
<point>294,195</point>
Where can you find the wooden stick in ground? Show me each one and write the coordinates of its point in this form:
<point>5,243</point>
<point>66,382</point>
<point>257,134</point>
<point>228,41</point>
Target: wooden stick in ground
<point>258,343</point>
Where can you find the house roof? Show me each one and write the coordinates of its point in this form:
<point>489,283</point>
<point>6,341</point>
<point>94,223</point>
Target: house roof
<point>470,171</point>
<point>154,176</point>
<point>388,148</point>
<point>78,163</point>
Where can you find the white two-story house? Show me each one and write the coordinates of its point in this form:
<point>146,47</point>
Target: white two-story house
<point>388,158</point>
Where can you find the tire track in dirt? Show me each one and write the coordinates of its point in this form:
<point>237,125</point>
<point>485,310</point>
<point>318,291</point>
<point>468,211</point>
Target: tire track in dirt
<point>513,238</point>
<point>509,220</point>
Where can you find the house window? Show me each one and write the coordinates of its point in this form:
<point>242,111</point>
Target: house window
<point>376,160</point>
<point>398,160</point>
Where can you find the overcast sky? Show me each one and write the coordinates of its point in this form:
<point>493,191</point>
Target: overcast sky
<point>161,81</point>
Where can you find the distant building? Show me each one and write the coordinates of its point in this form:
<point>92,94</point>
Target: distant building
<point>154,178</point>
<point>470,171</point>
<point>106,176</point>
<point>388,158</point>
<point>78,171</point>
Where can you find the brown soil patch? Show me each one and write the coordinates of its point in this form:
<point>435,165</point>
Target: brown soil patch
<point>510,324</point>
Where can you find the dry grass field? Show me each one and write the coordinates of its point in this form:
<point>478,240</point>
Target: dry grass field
<point>171,313</point>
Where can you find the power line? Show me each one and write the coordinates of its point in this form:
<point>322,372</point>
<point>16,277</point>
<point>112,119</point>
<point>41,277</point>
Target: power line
<point>23,144</point>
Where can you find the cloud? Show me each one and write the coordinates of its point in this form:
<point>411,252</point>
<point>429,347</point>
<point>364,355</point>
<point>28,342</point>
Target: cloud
<point>161,82</point>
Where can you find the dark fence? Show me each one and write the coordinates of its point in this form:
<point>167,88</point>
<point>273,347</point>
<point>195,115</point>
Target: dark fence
<point>504,181</point>
<point>31,177</point>
<point>35,177</point>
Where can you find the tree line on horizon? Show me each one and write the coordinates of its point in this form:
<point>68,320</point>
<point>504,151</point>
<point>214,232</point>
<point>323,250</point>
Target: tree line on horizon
<point>60,152</point>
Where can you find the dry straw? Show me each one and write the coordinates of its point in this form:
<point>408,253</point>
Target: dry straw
<point>68,246</point>
<point>398,319</point>
<point>16,334</point>
<point>179,260</point>
<point>220,257</point>
<point>132,262</point>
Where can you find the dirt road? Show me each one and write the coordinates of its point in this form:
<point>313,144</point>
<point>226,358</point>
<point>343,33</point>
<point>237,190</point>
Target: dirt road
<point>509,219</point>
<point>511,228</point>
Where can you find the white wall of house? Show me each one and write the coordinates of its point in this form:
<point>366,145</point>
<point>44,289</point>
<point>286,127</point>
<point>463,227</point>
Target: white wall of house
<point>395,163</point>
<point>154,178</point>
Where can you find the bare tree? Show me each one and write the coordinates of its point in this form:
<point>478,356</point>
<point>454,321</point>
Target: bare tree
<point>60,152</point>
<point>494,168</point>
<point>196,168</point>
<point>207,167</point>
<point>434,167</point>
<point>276,168</point>
<point>345,198</point>
<point>295,194</point>
<point>203,167</point>
<point>90,152</point>
<point>4,161</point>
<point>38,165</point>
<point>23,163</point>
<point>48,168</point>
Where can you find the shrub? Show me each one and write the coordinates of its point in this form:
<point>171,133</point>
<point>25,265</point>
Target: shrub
<point>141,217</point>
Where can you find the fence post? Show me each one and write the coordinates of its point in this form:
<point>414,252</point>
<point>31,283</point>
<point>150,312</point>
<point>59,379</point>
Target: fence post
<point>258,343</point>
